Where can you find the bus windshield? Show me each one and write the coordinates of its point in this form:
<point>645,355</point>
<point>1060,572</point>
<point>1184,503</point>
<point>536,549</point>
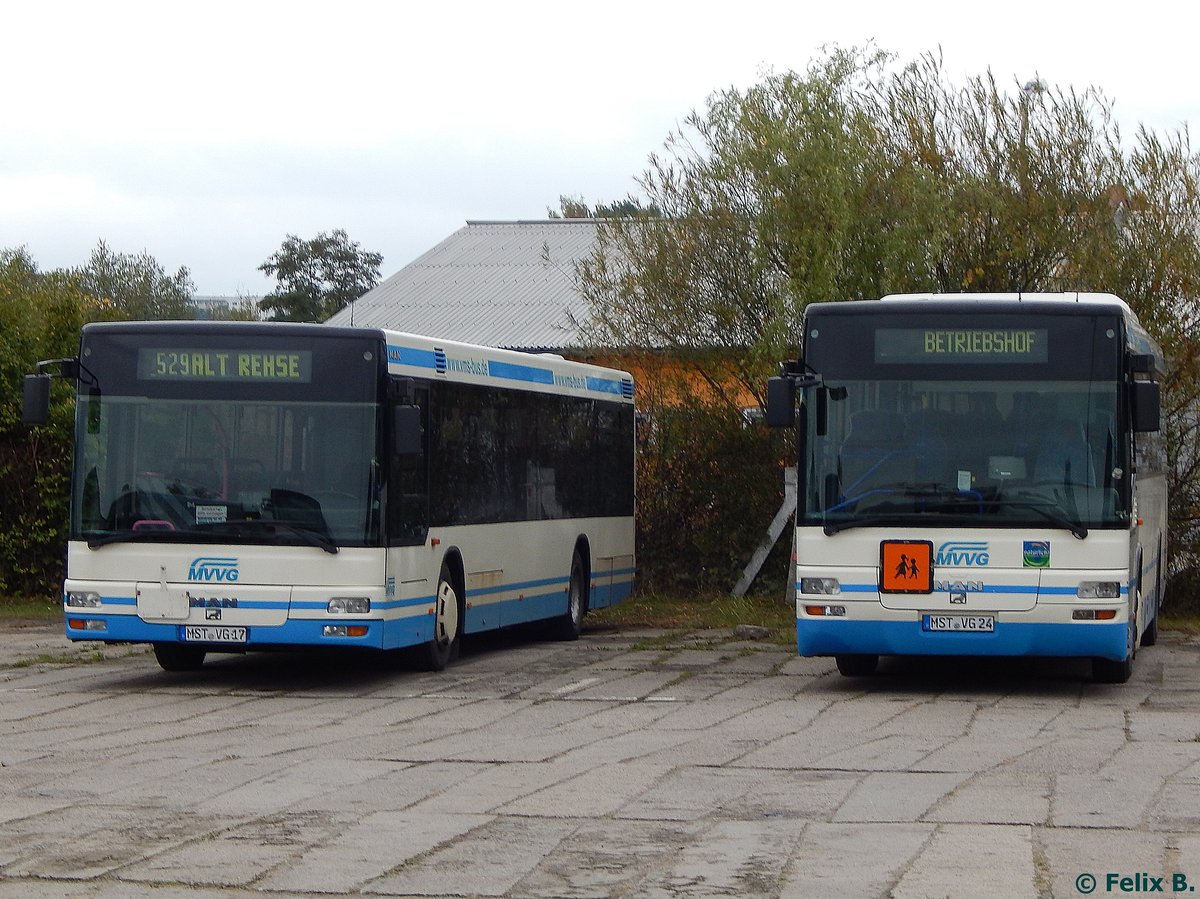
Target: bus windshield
<point>967,452</point>
<point>233,439</point>
<point>968,420</point>
<point>227,472</point>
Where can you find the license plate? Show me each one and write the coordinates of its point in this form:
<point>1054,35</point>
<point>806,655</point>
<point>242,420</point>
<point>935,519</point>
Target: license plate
<point>979,624</point>
<point>208,633</point>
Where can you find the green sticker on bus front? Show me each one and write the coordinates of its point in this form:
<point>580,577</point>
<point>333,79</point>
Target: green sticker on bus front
<point>189,364</point>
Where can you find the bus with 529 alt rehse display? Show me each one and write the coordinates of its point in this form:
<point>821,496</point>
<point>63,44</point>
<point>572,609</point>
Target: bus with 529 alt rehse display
<point>253,485</point>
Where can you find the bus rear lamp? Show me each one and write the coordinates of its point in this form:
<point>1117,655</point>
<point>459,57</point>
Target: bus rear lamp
<point>1094,614</point>
<point>344,630</point>
<point>349,605</point>
<point>821,586</point>
<point>80,599</point>
<point>826,611</point>
<point>1098,590</point>
<point>86,624</point>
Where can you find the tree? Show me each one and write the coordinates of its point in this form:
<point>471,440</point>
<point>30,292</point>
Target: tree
<point>135,287</point>
<point>40,318</point>
<point>858,178</point>
<point>572,207</point>
<point>318,277</point>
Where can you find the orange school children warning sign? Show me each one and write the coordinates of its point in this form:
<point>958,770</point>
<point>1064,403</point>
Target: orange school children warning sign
<point>906,566</point>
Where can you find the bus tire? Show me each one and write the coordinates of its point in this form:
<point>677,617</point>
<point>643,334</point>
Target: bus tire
<point>1106,671</point>
<point>570,625</point>
<point>1150,634</point>
<point>447,625</point>
<point>177,657</point>
<point>856,665</point>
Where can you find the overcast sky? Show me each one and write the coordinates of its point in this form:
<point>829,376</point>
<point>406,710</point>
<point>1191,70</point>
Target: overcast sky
<point>204,133</point>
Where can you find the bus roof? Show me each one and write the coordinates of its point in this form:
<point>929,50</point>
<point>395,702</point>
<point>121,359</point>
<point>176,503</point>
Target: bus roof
<point>1073,297</point>
<point>1138,338</point>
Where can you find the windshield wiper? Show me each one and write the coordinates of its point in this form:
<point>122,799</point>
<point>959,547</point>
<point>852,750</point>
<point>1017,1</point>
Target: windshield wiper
<point>308,535</point>
<point>236,528</point>
<point>1077,528</point>
<point>141,535</point>
<point>911,491</point>
<point>866,521</point>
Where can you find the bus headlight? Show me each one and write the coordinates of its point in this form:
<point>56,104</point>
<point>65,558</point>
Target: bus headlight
<point>823,586</point>
<point>1099,590</point>
<point>83,599</point>
<point>349,605</point>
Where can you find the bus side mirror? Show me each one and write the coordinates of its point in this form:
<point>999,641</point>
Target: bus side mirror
<point>1147,408</point>
<point>407,431</point>
<point>781,403</point>
<point>35,408</point>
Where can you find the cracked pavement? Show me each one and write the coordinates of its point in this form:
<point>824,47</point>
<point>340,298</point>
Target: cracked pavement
<point>630,763</point>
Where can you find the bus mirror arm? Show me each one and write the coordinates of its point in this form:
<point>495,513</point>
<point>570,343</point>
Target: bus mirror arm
<point>35,409</point>
<point>781,393</point>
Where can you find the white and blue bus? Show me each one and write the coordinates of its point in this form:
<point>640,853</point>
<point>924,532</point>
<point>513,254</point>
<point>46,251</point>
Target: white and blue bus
<point>254,485</point>
<point>977,475</point>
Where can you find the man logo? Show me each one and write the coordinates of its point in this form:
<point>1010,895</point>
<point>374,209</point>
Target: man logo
<point>955,553</point>
<point>213,569</point>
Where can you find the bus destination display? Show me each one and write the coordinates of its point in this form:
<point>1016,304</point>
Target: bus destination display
<point>188,364</point>
<point>957,346</point>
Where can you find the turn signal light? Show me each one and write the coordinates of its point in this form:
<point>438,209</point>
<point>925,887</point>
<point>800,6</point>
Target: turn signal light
<point>826,611</point>
<point>344,630</point>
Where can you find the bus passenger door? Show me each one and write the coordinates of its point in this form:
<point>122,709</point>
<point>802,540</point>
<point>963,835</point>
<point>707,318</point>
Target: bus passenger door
<point>408,476</point>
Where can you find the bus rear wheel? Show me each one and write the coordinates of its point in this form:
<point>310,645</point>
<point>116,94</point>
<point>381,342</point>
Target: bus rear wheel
<point>177,657</point>
<point>447,625</point>
<point>569,626</point>
<point>856,665</point>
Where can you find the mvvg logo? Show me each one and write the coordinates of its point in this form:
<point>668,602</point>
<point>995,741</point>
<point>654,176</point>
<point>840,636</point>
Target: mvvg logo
<point>213,569</point>
<point>958,553</point>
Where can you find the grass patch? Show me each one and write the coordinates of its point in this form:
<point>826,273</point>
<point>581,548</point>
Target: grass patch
<point>1188,624</point>
<point>36,608</point>
<point>59,659</point>
<point>707,612</point>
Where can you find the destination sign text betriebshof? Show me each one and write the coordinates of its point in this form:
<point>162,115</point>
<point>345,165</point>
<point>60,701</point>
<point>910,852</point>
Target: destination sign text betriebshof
<point>961,345</point>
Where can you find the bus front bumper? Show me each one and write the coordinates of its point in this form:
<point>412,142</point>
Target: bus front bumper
<point>838,636</point>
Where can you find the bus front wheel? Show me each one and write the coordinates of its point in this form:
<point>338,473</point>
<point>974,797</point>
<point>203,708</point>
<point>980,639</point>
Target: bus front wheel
<point>1107,671</point>
<point>856,665</point>
<point>447,632</point>
<point>177,657</point>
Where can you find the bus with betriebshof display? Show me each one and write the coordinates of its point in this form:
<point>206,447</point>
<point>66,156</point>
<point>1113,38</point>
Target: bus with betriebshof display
<point>977,475</point>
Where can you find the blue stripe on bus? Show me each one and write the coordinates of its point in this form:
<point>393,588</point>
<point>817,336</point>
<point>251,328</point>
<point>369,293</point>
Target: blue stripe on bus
<point>406,355</point>
<point>381,605</point>
<point>511,371</point>
<point>604,385</point>
<point>514,372</point>
<point>520,585</point>
<point>820,637</point>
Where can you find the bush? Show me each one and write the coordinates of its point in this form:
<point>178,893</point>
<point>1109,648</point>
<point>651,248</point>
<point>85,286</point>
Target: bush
<point>40,318</point>
<point>708,486</point>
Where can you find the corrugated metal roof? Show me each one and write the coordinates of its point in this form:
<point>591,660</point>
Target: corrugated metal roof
<point>489,283</point>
